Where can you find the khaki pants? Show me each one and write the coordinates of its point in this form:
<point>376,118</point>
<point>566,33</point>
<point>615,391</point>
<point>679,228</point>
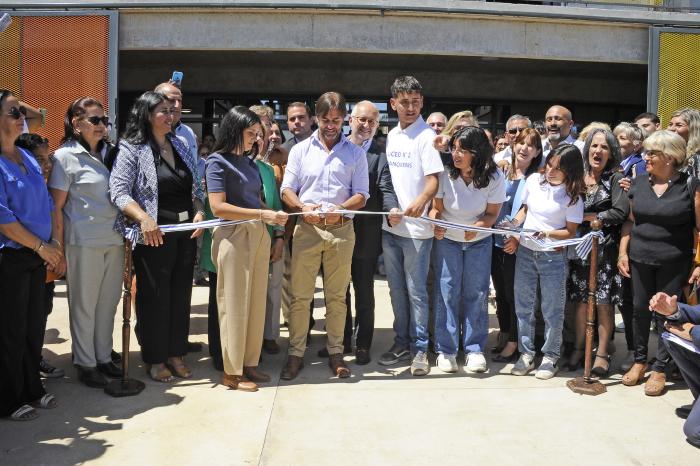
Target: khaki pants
<point>241,254</point>
<point>314,246</point>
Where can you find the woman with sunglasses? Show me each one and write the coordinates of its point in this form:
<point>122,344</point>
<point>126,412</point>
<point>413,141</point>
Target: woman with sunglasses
<point>85,217</point>
<point>470,192</point>
<point>26,249</point>
<point>656,249</point>
<point>553,208</point>
<point>154,182</point>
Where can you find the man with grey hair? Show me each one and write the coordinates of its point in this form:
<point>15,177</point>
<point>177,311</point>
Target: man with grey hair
<point>515,124</point>
<point>558,122</point>
<point>437,121</point>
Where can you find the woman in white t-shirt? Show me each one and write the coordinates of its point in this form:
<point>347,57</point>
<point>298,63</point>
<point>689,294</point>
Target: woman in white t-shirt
<point>471,192</point>
<point>553,208</point>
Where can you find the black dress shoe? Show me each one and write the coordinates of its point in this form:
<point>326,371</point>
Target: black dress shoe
<point>110,369</point>
<point>194,347</point>
<point>506,359</point>
<point>323,352</point>
<point>91,377</point>
<point>362,357</point>
<point>684,411</point>
<point>270,347</point>
<point>116,357</point>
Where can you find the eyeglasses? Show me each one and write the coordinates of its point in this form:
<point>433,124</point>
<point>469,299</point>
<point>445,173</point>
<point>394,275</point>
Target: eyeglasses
<point>95,120</point>
<point>516,130</point>
<point>653,153</point>
<point>463,152</point>
<point>17,112</point>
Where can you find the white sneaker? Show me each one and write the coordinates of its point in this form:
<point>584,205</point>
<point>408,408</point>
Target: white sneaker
<point>476,362</point>
<point>420,364</point>
<point>627,362</point>
<point>524,365</point>
<point>548,368</point>
<point>447,363</point>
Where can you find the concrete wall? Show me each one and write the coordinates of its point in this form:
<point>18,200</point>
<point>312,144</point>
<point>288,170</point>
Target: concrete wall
<point>392,33</point>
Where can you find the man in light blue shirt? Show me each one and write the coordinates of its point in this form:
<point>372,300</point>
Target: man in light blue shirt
<point>325,172</point>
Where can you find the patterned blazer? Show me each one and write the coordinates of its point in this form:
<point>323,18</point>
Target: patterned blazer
<point>134,179</point>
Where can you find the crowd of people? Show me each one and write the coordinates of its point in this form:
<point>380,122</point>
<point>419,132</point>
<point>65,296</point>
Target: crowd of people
<point>321,201</point>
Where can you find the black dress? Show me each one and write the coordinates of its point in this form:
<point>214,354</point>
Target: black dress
<point>611,204</point>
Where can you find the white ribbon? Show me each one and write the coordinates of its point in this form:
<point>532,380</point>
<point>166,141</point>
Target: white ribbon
<point>583,244</point>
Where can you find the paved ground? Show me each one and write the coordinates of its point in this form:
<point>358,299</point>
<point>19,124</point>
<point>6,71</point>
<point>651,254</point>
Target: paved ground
<point>380,416</point>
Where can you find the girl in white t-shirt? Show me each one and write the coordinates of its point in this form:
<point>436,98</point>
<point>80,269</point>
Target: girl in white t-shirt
<point>553,207</point>
<point>471,191</point>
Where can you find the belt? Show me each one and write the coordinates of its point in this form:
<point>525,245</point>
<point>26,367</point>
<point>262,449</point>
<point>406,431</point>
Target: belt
<point>174,216</point>
<point>325,226</point>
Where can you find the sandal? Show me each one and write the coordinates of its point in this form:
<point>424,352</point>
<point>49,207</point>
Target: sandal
<point>47,401</point>
<point>656,384</point>
<point>635,374</point>
<point>179,368</point>
<point>598,370</point>
<point>159,374</point>
<point>24,413</point>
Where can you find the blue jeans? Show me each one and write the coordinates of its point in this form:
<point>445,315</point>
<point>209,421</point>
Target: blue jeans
<point>406,261</point>
<point>548,270</point>
<point>462,272</point>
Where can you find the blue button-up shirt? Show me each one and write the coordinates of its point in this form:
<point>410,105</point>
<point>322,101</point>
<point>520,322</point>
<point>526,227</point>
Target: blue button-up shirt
<point>326,178</point>
<point>24,198</point>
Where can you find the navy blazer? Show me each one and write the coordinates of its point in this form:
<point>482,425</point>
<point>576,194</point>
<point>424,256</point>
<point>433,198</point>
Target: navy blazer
<point>382,198</point>
<point>691,314</point>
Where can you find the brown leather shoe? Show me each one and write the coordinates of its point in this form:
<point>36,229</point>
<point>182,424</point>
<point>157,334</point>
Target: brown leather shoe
<point>635,374</point>
<point>292,367</point>
<point>255,375</point>
<point>270,347</point>
<point>335,361</point>
<point>656,384</point>
<point>239,382</point>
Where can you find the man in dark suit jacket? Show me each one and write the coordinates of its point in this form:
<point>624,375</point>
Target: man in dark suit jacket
<point>364,121</point>
<point>683,321</point>
<point>299,122</point>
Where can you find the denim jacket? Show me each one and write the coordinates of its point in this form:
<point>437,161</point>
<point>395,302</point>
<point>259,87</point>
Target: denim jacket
<point>134,179</point>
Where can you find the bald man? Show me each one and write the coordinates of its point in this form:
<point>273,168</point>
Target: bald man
<point>364,121</point>
<point>558,122</point>
<point>437,121</point>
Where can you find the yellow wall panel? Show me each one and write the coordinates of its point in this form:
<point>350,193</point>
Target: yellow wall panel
<point>10,53</point>
<point>679,73</point>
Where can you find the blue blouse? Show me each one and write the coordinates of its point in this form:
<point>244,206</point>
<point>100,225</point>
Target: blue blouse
<point>24,198</point>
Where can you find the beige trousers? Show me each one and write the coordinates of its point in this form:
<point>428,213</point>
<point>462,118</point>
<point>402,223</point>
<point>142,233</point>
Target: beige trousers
<point>331,246</point>
<point>241,254</point>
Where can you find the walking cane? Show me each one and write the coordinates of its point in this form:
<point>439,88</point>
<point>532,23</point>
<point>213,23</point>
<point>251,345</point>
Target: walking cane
<point>586,385</point>
<point>126,386</point>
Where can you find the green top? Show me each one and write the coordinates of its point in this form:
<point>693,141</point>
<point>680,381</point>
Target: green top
<point>272,196</point>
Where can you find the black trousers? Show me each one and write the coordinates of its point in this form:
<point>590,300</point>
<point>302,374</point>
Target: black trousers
<point>362,271</point>
<point>503,277</point>
<point>627,311</point>
<point>163,296</point>
<point>646,281</point>
<point>213,330</point>
<point>689,365</point>
<point>22,322</point>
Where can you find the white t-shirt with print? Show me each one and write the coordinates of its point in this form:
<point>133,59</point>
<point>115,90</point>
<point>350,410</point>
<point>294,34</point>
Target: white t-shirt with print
<point>466,204</point>
<point>547,208</point>
<point>411,156</point>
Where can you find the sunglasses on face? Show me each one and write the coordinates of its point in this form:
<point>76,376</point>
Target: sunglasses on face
<point>515,130</point>
<point>17,112</point>
<point>95,120</point>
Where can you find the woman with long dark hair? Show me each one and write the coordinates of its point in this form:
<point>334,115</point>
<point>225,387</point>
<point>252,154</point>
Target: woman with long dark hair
<point>154,182</point>
<point>607,202</point>
<point>94,251</point>
<point>26,248</point>
<point>553,208</point>
<point>526,159</point>
<point>240,252</point>
<point>470,192</point>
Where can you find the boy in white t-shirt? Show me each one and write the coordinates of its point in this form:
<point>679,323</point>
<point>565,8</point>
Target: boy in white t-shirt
<point>415,166</point>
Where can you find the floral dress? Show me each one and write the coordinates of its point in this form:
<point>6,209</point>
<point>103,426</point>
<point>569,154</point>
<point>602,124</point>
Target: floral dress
<point>611,205</point>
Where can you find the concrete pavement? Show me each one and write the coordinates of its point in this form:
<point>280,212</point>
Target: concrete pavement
<point>379,416</point>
